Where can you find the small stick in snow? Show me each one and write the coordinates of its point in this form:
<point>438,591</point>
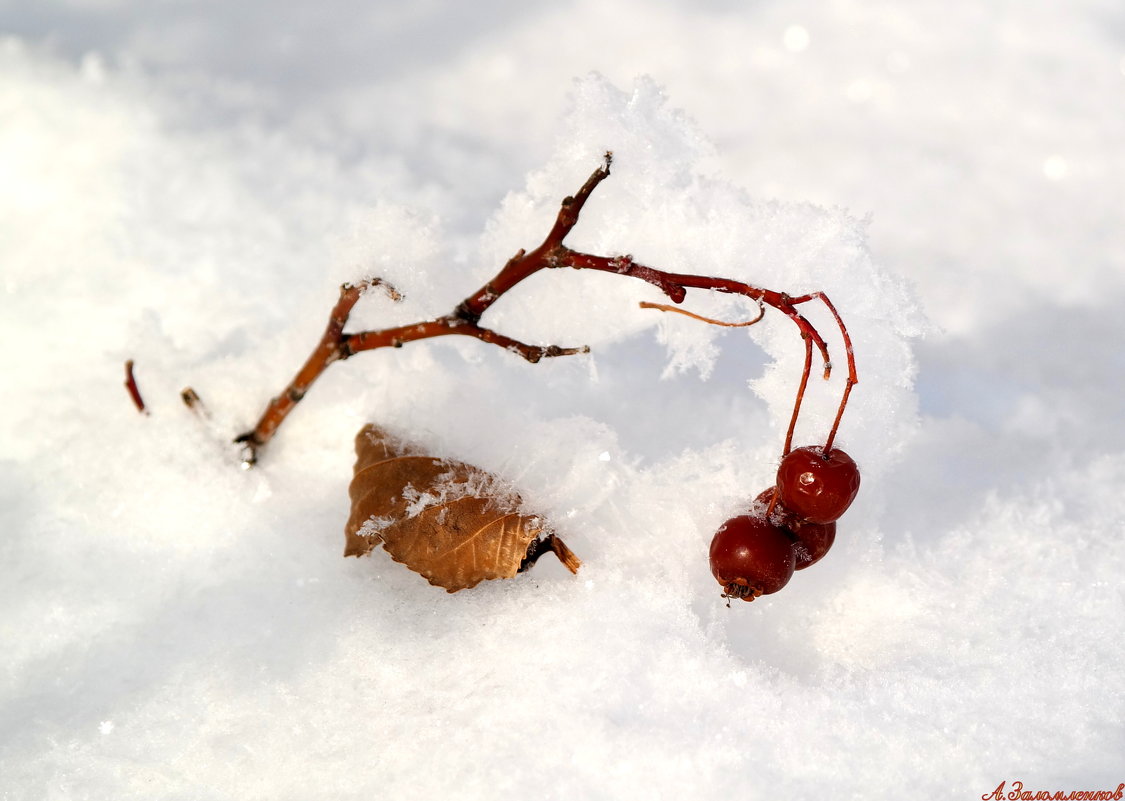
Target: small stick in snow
<point>192,400</point>
<point>131,387</point>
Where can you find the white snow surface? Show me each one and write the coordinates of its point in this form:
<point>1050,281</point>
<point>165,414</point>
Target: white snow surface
<point>187,186</point>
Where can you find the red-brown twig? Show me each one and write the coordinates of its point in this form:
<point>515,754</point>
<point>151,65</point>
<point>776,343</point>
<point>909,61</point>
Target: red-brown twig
<point>852,379</point>
<point>644,304</point>
<point>132,389</point>
<point>464,320</point>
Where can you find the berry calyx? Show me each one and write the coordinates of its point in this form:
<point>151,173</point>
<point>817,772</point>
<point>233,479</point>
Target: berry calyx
<point>750,556</point>
<point>817,486</point>
<point>811,540</point>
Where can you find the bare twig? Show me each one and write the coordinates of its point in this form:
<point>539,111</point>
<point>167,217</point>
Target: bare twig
<point>132,389</point>
<point>644,304</point>
<point>464,320</point>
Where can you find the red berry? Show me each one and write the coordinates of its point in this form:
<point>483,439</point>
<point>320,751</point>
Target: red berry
<point>817,486</point>
<point>778,514</point>
<point>750,557</point>
<point>811,540</point>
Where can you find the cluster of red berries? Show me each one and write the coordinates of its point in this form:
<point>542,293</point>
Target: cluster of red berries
<point>789,527</point>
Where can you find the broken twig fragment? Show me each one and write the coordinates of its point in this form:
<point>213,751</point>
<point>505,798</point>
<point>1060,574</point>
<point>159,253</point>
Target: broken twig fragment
<point>131,387</point>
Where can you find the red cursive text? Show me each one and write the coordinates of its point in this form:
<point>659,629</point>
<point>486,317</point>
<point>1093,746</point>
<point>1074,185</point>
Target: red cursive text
<point>1018,793</point>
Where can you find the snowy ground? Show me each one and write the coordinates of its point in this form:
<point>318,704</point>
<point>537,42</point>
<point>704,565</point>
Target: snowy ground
<point>187,186</point>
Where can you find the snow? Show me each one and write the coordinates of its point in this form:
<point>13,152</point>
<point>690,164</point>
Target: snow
<point>188,187</point>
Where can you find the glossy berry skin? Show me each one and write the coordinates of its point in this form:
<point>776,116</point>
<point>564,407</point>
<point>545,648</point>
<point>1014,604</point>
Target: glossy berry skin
<point>811,540</point>
<point>816,486</point>
<point>751,556</point>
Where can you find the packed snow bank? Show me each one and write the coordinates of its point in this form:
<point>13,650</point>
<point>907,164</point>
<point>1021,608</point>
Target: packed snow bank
<point>177,627</point>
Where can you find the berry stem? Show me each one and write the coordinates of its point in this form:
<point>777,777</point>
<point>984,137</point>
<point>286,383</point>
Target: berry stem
<point>773,503</point>
<point>800,396</point>
<point>852,378</point>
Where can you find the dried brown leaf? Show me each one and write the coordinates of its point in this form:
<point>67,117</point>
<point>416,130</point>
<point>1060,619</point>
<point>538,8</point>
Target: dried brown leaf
<point>455,524</point>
